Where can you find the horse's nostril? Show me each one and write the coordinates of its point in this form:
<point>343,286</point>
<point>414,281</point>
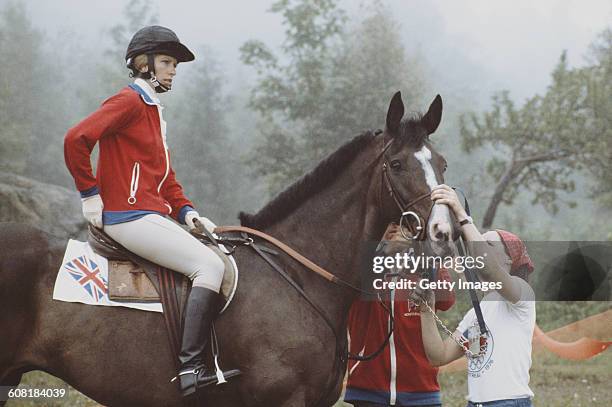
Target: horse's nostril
<point>442,236</point>
<point>441,232</point>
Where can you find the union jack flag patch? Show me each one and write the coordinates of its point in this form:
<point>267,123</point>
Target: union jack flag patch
<point>87,273</point>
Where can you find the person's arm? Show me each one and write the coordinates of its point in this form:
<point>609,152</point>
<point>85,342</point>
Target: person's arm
<point>493,270</point>
<point>115,112</point>
<point>439,352</point>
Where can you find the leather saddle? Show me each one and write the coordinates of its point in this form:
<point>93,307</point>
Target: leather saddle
<point>134,279</point>
<point>131,278</point>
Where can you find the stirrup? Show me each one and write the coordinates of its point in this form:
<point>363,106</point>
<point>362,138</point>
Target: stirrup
<point>184,372</point>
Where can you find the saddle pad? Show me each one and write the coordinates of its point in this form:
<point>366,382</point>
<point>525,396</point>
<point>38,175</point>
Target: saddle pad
<point>83,277</point>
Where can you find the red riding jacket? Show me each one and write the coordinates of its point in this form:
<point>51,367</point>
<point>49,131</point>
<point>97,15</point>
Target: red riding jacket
<point>401,375</point>
<point>133,171</point>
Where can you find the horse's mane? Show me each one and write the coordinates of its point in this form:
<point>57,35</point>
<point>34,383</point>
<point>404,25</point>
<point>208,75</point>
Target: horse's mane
<point>309,184</point>
<point>319,177</point>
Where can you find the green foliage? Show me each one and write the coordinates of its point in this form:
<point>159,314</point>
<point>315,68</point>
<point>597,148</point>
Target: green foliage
<point>199,143</point>
<point>540,145</point>
<point>20,84</point>
<point>599,90</point>
<point>112,73</point>
<point>335,80</point>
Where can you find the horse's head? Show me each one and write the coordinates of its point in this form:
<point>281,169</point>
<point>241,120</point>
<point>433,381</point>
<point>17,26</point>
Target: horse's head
<point>412,167</point>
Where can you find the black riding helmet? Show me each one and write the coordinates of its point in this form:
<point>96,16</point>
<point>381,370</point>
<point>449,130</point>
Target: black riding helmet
<point>153,40</point>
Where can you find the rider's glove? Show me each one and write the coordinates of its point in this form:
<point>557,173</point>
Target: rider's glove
<point>192,216</point>
<point>92,209</point>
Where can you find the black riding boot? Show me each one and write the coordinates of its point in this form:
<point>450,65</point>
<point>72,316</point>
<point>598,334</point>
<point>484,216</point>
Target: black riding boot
<point>202,307</point>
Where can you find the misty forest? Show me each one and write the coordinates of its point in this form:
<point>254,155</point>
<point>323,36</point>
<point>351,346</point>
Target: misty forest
<point>540,166</point>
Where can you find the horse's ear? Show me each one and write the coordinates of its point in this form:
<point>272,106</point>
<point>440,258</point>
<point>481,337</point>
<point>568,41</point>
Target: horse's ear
<point>432,118</point>
<point>395,114</point>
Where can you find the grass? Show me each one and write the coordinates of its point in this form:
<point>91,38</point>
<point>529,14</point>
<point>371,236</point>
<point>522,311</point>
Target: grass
<point>555,382</point>
<point>42,380</point>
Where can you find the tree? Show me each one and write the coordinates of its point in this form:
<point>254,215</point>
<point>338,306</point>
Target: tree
<point>20,47</point>
<point>538,146</point>
<point>287,96</point>
<point>198,134</point>
<point>112,73</point>
<point>337,81</point>
<point>599,90</point>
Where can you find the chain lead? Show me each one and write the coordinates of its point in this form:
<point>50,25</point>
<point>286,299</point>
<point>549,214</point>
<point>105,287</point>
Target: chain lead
<point>460,341</point>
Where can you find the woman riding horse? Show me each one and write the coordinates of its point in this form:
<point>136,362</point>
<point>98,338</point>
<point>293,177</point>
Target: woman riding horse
<point>135,189</point>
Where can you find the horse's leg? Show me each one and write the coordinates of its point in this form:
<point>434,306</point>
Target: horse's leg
<point>23,264</point>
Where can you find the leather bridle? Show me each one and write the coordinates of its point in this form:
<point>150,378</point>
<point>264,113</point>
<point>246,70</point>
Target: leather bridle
<point>418,232</point>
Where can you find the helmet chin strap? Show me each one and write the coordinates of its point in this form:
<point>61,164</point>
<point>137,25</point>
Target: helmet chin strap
<point>159,88</point>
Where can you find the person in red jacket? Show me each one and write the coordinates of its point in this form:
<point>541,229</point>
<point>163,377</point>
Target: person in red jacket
<point>135,189</point>
<point>400,375</point>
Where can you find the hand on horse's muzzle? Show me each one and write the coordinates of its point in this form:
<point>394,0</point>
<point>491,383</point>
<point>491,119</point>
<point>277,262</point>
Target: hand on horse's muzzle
<point>443,194</point>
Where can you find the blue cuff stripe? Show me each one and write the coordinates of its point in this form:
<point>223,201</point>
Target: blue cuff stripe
<point>183,212</point>
<point>90,192</point>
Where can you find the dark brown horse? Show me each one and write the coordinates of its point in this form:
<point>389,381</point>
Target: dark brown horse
<point>289,356</point>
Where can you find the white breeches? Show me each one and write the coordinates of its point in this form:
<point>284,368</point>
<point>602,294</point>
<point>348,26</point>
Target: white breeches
<point>161,241</point>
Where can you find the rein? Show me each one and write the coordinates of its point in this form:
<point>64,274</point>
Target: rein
<point>246,240</point>
<point>418,233</point>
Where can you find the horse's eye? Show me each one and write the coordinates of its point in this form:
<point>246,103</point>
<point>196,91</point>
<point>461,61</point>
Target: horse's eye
<point>445,167</point>
<point>396,164</point>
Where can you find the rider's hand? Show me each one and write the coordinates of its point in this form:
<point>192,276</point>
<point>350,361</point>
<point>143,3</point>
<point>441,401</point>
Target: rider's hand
<point>192,216</point>
<point>443,194</point>
<point>92,210</point>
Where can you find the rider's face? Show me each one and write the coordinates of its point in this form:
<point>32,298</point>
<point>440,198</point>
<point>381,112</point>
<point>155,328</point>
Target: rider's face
<point>165,69</point>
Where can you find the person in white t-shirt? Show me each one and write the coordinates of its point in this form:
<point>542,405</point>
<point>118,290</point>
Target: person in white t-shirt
<point>498,369</point>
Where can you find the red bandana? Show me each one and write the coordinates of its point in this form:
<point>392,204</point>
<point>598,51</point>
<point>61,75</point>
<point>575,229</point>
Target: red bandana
<point>517,251</point>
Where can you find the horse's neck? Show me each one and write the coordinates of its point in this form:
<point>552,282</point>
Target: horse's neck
<point>331,229</point>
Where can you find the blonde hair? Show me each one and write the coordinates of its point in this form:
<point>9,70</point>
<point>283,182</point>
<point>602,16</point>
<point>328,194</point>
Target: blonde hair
<point>140,61</point>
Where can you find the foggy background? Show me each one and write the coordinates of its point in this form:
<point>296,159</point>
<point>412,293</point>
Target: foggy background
<point>278,85</point>
<point>233,150</point>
